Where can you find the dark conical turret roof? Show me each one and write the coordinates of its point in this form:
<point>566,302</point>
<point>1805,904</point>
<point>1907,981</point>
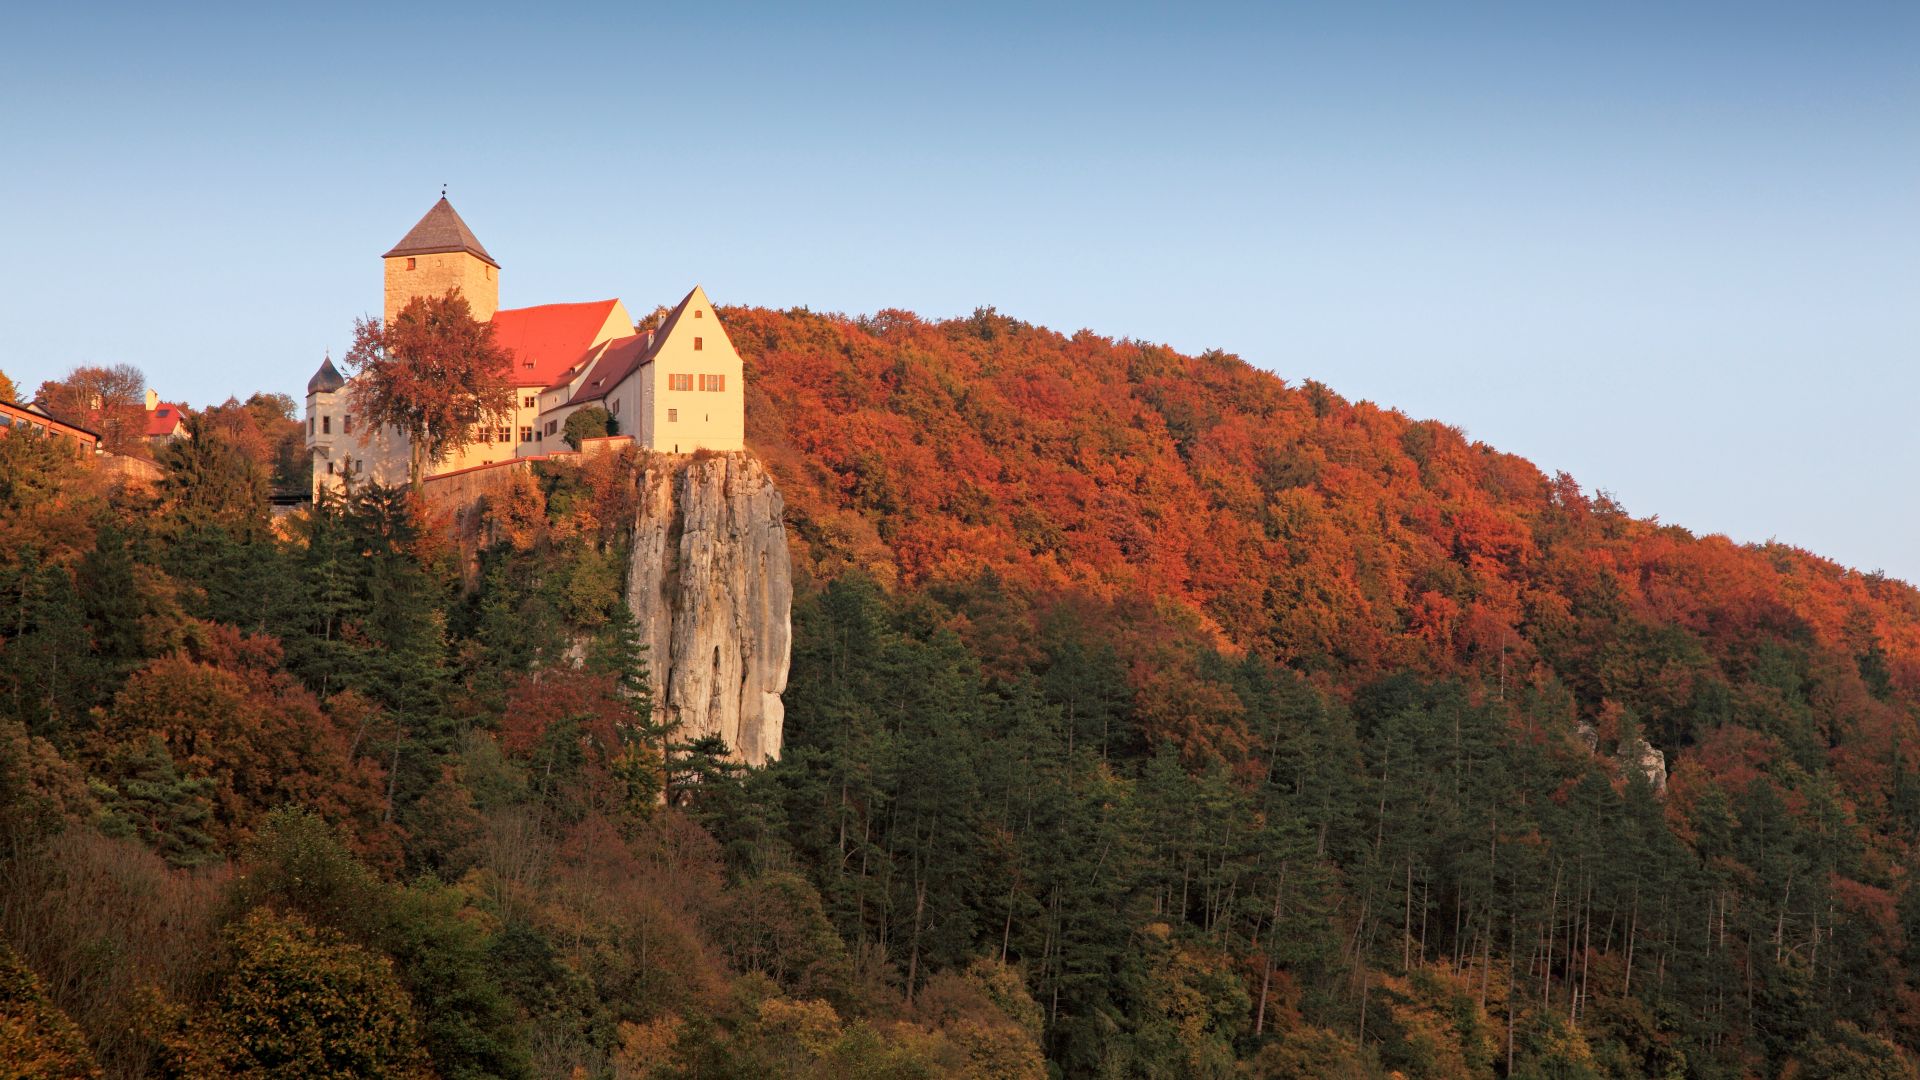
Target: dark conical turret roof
<point>439,232</point>
<point>326,380</point>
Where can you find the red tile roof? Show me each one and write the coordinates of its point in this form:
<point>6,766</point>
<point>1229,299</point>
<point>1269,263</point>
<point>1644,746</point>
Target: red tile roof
<point>615,364</point>
<point>551,337</point>
<point>621,358</point>
<point>164,418</point>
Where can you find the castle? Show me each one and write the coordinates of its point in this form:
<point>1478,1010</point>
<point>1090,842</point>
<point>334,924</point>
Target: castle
<point>674,388</point>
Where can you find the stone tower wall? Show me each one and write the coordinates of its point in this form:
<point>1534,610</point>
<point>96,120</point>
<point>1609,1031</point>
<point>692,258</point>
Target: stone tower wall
<point>433,275</point>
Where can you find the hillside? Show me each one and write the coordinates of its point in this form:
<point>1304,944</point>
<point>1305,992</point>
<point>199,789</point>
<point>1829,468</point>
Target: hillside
<point>1148,716</point>
<point>1338,539</point>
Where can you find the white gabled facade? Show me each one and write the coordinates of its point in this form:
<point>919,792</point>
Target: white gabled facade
<point>690,395</point>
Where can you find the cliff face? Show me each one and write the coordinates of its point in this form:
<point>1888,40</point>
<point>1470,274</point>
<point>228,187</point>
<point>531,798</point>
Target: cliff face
<point>710,586</point>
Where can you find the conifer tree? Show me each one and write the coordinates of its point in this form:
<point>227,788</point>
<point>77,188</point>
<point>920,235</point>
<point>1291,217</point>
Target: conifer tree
<point>142,794</point>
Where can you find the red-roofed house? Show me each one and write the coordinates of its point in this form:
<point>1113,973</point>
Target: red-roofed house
<point>675,389</point>
<point>165,420</point>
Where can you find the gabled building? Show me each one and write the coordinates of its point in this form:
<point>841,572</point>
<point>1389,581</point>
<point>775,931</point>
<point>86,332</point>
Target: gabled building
<point>675,388</point>
<point>166,420</point>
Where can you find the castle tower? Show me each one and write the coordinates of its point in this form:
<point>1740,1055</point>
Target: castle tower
<point>324,410</point>
<point>438,254</point>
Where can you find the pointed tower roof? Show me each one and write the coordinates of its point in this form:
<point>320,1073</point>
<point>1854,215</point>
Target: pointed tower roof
<point>326,380</point>
<point>441,231</point>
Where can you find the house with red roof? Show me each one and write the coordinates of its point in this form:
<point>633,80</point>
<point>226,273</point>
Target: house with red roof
<point>674,388</point>
<point>166,420</point>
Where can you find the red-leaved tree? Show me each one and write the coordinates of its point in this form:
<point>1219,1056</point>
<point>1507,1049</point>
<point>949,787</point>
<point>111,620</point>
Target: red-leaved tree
<point>434,373</point>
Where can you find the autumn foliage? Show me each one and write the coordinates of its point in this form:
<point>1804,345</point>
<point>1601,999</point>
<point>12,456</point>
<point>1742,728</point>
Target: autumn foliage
<point>1335,537</point>
<point>433,374</point>
<point>1150,715</point>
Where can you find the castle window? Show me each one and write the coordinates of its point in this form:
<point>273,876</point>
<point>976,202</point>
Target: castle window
<point>310,424</point>
<point>526,433</point>
<point>505,434</point>
<point>673,416</point>
<point>697,343</point>
<point>485,436</point>
<point>346,424</point>
<point>409,264</point>
<point>616,407</point>
<point>697,313</point>
<point>715,383</point>
<point>326,425</point>
<point>679,382</point>
<point>527,402</point>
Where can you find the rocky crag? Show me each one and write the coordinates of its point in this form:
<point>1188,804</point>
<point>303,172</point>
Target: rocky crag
<point>711,589</point>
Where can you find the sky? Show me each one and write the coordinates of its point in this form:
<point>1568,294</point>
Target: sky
<point>1673,250</point>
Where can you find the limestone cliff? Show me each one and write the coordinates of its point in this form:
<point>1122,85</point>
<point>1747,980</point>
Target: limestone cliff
<point>710,586</point>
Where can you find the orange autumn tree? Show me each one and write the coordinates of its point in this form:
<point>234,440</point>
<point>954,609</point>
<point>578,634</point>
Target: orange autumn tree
<point>247,736</point>
<point>434,373</point>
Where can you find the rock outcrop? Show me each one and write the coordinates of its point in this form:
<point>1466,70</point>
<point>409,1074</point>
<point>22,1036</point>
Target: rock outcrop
<point>1649,761</point>
<point>711,589</point>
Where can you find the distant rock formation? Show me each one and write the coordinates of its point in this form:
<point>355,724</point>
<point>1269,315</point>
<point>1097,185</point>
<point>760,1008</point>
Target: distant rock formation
<point>711,589</point>
<point>1634,754</point>
<point>1638,753</point>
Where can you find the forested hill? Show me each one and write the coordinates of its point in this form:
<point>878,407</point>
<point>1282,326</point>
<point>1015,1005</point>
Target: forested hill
<point>1425,654</point>
<point>1148,717</point>
<point>1340,540</point>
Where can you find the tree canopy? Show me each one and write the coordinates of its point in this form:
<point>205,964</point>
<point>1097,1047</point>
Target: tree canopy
<point>1148,716</point>
<point>434,374</point>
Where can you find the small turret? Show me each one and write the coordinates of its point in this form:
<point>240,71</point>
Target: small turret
<point>322,398</point>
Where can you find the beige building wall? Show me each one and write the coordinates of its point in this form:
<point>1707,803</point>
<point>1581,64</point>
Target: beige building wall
<point>624,403</point>
<point>409,276</point>
<point>681,420</point>
<point>339,447</point>
<point>619,324</point>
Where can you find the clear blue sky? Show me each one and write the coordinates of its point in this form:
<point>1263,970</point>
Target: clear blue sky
<point>1675,253</point>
